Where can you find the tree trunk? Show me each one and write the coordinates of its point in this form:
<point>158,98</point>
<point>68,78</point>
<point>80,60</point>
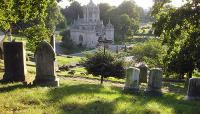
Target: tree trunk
<point>189,74</point>
<point>10,35</point>
<point>101,79</point>
<point>181,76</point>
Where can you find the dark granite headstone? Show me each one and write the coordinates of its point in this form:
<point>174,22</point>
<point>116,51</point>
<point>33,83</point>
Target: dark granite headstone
<point>45,65</point>
<point>193,89</point>
<point>143,72</point>
<point>14,62</point>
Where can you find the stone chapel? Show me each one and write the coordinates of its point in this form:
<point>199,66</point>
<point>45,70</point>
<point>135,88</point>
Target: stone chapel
<point>88,30</point>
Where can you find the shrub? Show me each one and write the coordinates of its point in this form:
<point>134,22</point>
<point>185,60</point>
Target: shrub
<point>150,52</point>
<point>66,39</point>
<point>104,65</point>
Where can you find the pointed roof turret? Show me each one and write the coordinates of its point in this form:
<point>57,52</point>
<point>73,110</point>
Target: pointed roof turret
<point>109,25</point>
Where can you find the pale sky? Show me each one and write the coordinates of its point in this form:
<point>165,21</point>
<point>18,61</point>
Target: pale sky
<point>142,3</point>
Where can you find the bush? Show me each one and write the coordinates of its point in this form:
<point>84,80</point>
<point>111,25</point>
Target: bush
<point>104,65</point>
<point>151,52</point>
<point>66,39</point>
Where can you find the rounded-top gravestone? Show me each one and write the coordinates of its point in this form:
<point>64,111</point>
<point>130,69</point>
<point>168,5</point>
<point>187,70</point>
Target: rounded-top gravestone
<point>45,65</point>
<point>193,89</point>
<point>132,79</point>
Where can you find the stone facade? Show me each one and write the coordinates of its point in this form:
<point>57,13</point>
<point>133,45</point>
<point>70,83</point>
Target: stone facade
<point>45,65</point>
<point>14,62</point>
<point>87,30</point>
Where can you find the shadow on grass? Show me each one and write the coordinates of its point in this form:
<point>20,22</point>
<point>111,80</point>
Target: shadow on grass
<point>7,87</point>
<point>68,90</point>
<point>101,106</point>
<point>175,101</point>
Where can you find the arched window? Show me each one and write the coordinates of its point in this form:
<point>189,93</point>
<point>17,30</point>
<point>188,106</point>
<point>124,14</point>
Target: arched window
<point>81,38</point>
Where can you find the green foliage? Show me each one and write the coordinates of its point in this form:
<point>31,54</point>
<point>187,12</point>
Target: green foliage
<point>104,64</point>
<point>35,35</point>
<point>179,29</point>
<point>72,12</point>
<point>13,11</point>
<point>150,52</point>
<point>27,17</point>
<point>66,39</point>
<point>54,16</point>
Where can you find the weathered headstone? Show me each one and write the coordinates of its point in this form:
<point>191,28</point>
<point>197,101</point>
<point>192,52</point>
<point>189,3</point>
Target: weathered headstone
<point>132,79</point>
<point>193,89</point>
<point>14,62</point>
<point>155,81</point>
<point>143,72</point>
<point>45,65</point>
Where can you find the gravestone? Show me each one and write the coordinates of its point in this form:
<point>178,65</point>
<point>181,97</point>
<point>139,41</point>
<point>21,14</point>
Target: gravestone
<point>53,44</point>
<point>143,72</point>
<point>45,65</point>
<point>14,62</point>
<point>132,79</point>
<point>155,81</point>
<point>193,89</point>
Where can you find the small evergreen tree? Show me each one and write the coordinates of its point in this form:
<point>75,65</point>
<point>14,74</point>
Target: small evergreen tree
<point>104,65</point>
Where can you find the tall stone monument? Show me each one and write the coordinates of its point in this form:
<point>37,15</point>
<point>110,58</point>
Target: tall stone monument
<point>14,62</point>
<point>132,79</point>
<point>45,65</point>
<point>53,42</point>
<point>143,72</point>
<point>193,92</point>
<point>155,81</point>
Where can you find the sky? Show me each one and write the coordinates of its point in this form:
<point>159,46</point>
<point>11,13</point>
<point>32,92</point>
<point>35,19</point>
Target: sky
<point>142,3</point>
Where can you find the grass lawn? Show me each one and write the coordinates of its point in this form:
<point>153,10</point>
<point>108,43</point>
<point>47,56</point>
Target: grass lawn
<point>84,96</point>
<point>64,60</point>
<point>88,97</point>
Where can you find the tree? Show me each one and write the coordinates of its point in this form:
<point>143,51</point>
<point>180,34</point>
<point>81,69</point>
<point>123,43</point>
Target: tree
<point>54,16</point>
<point>105,65</point>
<point>29,17</point>
<point>179,30</point>
<point>151,52</point>
<point>72,12</point>
<point>104,12</point>
<point>13,11</point>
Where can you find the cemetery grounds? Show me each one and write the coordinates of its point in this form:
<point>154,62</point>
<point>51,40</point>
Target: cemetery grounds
<point>80,94</point>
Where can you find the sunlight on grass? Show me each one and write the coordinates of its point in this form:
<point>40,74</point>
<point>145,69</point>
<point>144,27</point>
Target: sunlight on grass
<point>64,60</point>
<point>77,97</point>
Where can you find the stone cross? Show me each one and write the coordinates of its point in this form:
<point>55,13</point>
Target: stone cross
<point>14,62</point>
<point>45,65</point>
<point>132,79</point>
<point>193,92</point>
<point>143,72</point>
<point>155,80</point>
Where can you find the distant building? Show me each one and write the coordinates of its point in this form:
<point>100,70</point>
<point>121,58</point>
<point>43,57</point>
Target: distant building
<point>86,31</point>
